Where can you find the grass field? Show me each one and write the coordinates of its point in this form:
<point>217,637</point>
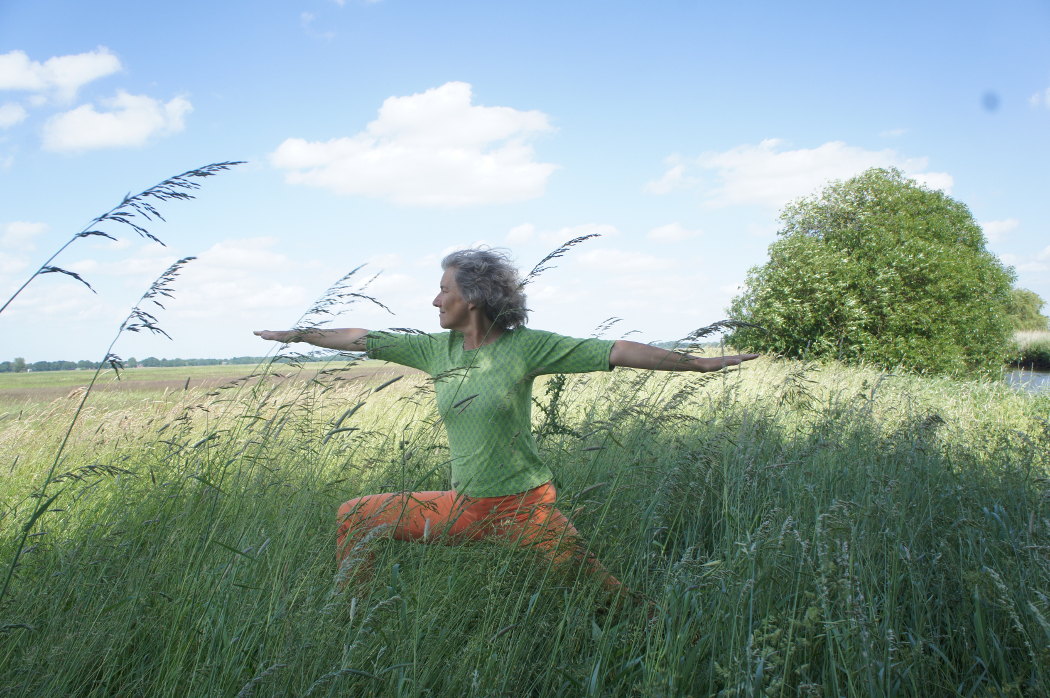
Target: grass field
<point>18,390</point>
<point>803,530</point>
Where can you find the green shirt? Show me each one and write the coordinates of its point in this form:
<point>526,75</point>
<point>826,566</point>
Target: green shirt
<point>484,397</point>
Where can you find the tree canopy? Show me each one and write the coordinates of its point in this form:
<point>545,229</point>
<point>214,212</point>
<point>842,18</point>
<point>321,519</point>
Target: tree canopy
<point>1025,309</point>
<point>879,269</point>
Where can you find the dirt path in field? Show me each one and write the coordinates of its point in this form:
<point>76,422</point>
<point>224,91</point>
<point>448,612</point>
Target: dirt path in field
<point>134,383</point>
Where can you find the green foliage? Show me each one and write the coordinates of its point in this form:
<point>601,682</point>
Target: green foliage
<point>803,530</point>
<point>1024,309</point>
<point>1031,350</point>
<point>882,270</point>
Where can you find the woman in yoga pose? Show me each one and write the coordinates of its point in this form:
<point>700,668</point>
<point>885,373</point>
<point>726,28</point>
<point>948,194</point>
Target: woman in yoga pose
<point>483,366</point>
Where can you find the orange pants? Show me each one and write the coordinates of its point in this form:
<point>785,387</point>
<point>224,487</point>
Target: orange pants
<point>526,519</point>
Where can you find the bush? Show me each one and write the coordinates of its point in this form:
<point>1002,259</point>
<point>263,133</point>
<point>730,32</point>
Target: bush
<point>882,270</point>
<point>1024,310</point>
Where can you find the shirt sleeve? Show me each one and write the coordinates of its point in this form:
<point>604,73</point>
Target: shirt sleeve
<point>414,350</point>
<point>555,353</point>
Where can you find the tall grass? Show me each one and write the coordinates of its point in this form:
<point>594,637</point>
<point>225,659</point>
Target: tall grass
<point>135,212</point>
<point>1031,350</point>
<point>803,529</point>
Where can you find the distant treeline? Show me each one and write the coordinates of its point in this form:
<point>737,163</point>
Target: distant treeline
<point>20,365</point>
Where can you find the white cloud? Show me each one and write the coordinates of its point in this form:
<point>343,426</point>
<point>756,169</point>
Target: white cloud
<point>934,180</point>
<point>520,234</point>
<point>730,290</point>
<point>527,232</point>
<point>1035,263</point>
<point>132,120</point>
<point>572,232</point>
<point>768,175</point>
<point>21,234</point>
<point>12,264</point>
<point>84,266</point>
<point>1041,99</point>
<point>233,277</point>
<point>60,76</point>
<point>1033,267</point>
<point>68,303</point>
<point>642,288</point>
<point>11,114</point>
<point>672,232</point>
<point>307,19</point>
<point>613,260</point>
<point>997,230</point>
<point>246,253</point>
<point>390,260</point>
<point>429,149</point>
<point>673,178</point>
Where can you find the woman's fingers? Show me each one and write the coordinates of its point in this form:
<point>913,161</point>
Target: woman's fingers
<point>274,336</point>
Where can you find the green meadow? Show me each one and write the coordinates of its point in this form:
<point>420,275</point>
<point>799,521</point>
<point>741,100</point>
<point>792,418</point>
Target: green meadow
<point>802,529</point>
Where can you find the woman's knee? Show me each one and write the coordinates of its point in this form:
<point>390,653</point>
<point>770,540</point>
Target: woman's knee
<point>368,506</point>
<point>347,508</point>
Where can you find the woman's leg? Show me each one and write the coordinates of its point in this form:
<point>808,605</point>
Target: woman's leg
<point>534,521</point>
<point>528,519</point>
<point>416,516</point>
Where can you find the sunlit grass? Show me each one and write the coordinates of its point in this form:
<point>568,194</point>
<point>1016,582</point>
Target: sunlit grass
<point>804,529</point>
<point>1031,350</point>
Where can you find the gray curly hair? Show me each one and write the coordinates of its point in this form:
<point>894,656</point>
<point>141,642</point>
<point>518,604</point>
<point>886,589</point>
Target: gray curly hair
<point>489,280</point>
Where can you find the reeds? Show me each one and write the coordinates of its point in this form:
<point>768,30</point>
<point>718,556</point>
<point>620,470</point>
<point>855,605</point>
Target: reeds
<point>134,212</point>
<point>840,540</point>
<point>1031,350</point>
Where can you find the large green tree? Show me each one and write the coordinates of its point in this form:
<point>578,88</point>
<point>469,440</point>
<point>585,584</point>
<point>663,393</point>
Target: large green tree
<point>1024,311</point>
<point>879,269</point>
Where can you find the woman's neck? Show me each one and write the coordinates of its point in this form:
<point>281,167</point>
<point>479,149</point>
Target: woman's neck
<point>479,332</point>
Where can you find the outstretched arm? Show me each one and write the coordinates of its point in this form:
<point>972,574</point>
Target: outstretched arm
<point>349,339</point>
<point>637,355</point>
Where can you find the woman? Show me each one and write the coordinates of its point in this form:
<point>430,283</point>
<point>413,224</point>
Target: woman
<point>483,368</point>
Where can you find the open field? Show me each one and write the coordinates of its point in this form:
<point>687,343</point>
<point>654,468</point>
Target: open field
<point>18,390</point>
<point>803,530</point>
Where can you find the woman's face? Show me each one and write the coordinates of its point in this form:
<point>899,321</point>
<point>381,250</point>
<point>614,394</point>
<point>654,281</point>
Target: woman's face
<point>453,311</point>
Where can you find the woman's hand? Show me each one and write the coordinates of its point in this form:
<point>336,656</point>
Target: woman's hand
<point>286,336</point>
<point>717,363</point>
<point>637,355</point>
<point>349,339</point>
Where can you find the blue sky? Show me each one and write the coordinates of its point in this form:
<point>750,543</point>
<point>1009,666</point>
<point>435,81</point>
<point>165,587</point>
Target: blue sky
<point>387,133</point>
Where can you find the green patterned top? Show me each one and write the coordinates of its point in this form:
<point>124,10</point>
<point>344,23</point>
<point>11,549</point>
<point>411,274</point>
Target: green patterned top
<point>484,397</point>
